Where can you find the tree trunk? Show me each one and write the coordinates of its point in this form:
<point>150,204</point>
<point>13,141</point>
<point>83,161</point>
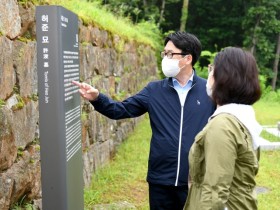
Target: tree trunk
<point>184,16</point>
<point>144,3</point>
<point>275,65</point>
<point>254,39</point>
<point>161,12</point>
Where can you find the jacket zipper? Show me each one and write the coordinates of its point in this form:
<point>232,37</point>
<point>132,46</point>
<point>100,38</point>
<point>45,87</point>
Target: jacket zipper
<point>180,138</point>
<point>180,142</point>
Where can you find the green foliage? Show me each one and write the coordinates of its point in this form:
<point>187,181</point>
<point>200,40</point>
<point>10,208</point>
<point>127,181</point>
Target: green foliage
<point>23,205</point>
<point>16,89</point>
<point>36,144</point>
<point>117,79</point>
<point>271,96</point>
<point>84,116</point>
<point>84,44</point>
<point>264,89</point>
<point>262,25</point>
<point>20,152</point>
<point>119,46</point>
<point>20,104</point>
<point>135,10</point>
<point>31,161</point>
<point>24,39</point>
<point>249,24</point>
<point>93,13</point>
<point>35,141</point>
<point>149,29</point>
<point>2,103</point>
<point>201,65</point>
<point>34,97</point>
<point>216,23</point>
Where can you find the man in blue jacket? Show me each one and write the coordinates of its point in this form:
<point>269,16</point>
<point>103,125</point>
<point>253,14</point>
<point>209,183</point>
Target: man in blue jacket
<point>178,108</point>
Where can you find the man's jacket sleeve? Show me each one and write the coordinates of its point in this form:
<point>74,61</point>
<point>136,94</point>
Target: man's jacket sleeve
<point>133,106</point>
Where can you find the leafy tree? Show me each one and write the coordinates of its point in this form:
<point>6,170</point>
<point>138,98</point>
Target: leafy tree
<point>217,23</point>
<point>251,24</point>
<point>262,28</point>
<point>136,10</point>
<point>156,11</point>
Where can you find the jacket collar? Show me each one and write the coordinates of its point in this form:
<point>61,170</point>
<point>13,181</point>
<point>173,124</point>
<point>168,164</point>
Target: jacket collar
<point>168,81</point>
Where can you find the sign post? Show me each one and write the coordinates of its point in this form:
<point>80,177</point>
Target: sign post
<point>59,108</point>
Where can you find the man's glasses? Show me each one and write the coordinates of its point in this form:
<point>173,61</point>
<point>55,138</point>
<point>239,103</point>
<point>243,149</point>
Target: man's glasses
<point>170,54</point>
<point>210,68</point>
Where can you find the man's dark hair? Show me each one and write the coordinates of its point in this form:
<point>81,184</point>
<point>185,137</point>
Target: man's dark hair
<point>236,77</point>
<point>187,42</point>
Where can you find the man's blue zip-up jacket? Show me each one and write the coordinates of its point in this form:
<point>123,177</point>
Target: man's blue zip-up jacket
<point>174,127</point>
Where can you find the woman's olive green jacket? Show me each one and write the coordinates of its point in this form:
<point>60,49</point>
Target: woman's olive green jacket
<point>223,166</point>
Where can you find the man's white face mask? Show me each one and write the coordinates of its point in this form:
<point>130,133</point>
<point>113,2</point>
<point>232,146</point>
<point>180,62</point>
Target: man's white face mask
<point>170,67</point>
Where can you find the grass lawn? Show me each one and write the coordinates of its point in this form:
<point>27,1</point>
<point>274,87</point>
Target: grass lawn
<point>269,177</point>
<point>124,179</point>
<point>268,113</point>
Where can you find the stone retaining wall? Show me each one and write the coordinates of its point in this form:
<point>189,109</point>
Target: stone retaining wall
<point>114,71</point>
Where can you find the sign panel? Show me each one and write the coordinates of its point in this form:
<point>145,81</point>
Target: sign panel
<point>59,108</point>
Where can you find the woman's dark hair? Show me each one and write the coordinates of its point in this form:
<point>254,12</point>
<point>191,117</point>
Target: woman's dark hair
<point>186,42</point>
<point>236,77</point>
